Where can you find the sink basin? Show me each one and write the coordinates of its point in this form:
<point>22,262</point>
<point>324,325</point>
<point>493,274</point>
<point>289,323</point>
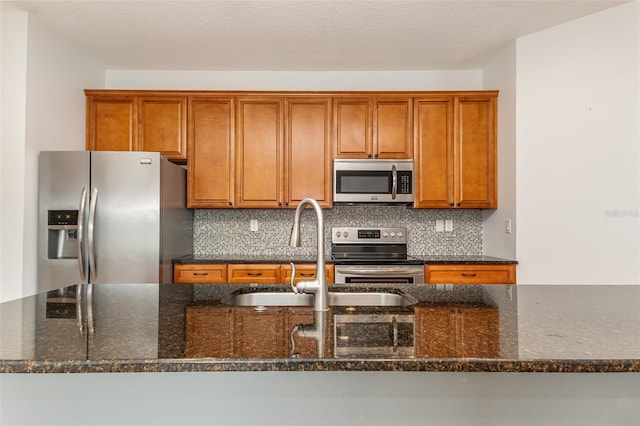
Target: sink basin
<point>269,298</point>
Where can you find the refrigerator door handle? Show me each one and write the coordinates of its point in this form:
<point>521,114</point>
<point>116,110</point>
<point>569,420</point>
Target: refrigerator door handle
<point>82,259</point>
<point>90,319</point>
<point>91,234</point>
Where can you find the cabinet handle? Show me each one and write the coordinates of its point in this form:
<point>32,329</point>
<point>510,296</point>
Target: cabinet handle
<point>200,274</point>
<point>468,275</point>
<point>254,274</point>
<point>307,274</point>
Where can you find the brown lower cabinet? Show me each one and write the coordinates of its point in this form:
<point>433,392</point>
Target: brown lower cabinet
<point>242,332</point>
<point>470,274</point>
<point>242,273</point>
<point>454,331</point>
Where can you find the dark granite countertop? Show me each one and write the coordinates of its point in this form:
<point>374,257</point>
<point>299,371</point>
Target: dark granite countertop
<point>171,328</point>
<point>246,258</point>
<point>279,258</point>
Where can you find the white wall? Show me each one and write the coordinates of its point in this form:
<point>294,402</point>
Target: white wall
<point>578,151</point>
<point>13,37</point>
<point>500,74</point>
<point>294,80</point>
<point>47,91</point>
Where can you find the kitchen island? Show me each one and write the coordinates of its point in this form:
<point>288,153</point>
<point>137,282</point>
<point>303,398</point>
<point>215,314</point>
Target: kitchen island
<point>205,343</point>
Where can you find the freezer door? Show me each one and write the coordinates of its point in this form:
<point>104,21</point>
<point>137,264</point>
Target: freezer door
<point>63,175</point>
<point>124,232</point>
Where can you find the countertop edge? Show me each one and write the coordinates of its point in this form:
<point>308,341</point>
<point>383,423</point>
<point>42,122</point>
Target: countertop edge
<point>427,260</point>
<point>313,365</point>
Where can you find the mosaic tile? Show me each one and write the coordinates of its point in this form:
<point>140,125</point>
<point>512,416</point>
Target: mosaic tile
<point>227,231</point>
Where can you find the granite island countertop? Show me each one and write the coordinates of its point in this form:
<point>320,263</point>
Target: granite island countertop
<point>184,328</point>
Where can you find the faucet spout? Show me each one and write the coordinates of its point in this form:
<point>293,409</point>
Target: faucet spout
<point>318,286</point>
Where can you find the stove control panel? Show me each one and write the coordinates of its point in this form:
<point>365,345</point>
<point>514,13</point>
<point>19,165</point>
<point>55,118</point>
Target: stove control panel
<point>368,235</point>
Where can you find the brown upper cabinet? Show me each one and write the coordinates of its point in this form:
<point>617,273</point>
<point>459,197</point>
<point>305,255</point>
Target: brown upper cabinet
<point>456,151</point>
<point>259,152</point>
<point>373,127</point>
<point>119,121</point>
<point>273,149</point>
<point>210,160</point>
<point>283,151</point>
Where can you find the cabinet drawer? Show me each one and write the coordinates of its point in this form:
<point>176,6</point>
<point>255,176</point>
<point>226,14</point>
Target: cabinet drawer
<point>470,274</point>
<point>305,271</point>
<point>247,273</point>
<point>204,273</point>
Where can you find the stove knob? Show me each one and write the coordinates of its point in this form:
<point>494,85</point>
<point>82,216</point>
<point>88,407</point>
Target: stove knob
<point>346,234</point>
<point>385,234</point>
<point>393,234</point>
<point>338,234</point>
<point>399,234</point>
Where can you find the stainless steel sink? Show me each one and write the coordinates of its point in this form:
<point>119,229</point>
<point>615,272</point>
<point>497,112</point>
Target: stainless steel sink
<point>268,298</point>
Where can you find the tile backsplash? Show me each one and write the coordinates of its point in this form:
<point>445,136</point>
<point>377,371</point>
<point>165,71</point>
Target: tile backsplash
<point>227,231</point>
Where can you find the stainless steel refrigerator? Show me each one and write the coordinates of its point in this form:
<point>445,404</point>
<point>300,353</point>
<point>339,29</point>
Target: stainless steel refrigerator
<point>110,217</point>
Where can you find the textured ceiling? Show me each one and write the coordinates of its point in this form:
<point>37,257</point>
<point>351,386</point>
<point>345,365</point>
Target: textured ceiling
<point>300,34</point>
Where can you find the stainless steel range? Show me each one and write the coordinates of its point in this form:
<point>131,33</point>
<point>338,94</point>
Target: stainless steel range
<point>374,255</point>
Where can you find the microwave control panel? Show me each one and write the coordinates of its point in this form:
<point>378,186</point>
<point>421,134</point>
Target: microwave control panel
<point>404,182</point>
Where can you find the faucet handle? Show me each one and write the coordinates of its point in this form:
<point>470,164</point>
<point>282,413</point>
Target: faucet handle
<point>293,277</point>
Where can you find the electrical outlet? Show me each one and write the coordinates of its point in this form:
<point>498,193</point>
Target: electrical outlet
<point>253,224</point>
<point>448,225</point>
<point>439,225</point>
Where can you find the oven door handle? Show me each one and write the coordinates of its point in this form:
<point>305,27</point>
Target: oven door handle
<point>376,272</point>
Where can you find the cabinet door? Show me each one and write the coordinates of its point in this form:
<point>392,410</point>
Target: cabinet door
<point>305,271</point>
<point>259,334</point>
<point>162,124</point>
<point>477,332</point>
<point>253,273</point>
<point>475,168</point>
<point>392,128</point>
<point>112,123</point>
<point>210,163</point>
<point>308,153</point>
<point>259,153</point>
<point>470,274</point>
<point>209,332</point>
<point>199,273</point>
<point>434,152</point>
<point>352,121</point>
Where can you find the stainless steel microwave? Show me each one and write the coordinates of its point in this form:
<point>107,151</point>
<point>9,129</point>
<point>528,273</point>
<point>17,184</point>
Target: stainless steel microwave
<point>373,181</point>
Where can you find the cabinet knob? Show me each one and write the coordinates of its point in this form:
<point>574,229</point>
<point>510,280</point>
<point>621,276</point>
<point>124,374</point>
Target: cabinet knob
<point>286,203</point>
<point>280,203</point>
<point>230,203</point>
<point>376,156</point>
<point>368,155</point>
<point>458,205</point>
<point>451,204</point>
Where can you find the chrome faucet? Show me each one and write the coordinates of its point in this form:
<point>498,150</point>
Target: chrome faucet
<point>318,287</point>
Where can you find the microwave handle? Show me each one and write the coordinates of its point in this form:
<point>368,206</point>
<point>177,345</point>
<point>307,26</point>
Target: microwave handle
<point>394,175</point>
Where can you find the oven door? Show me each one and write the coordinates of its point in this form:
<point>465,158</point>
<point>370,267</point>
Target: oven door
<point>398,274</point>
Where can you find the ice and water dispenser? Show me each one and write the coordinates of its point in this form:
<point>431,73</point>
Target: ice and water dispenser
<point>62,234</point>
